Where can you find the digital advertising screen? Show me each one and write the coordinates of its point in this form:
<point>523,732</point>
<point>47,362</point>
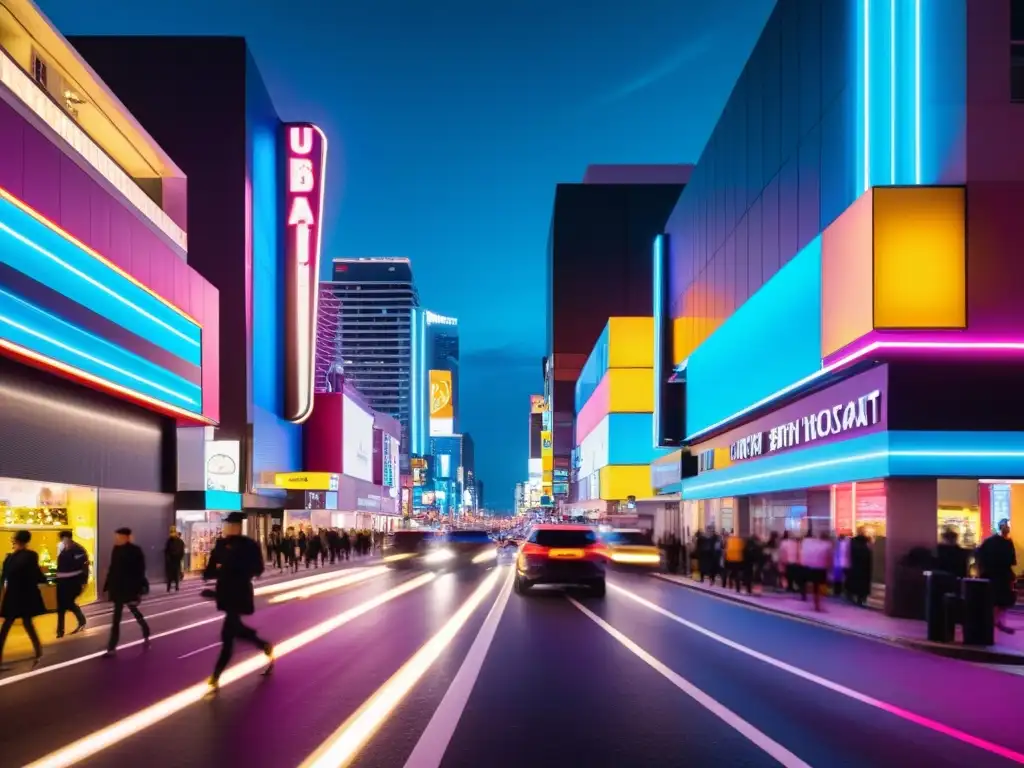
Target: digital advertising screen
<point>389,448</point>
<point>357,441</point>
<point>442,406</point>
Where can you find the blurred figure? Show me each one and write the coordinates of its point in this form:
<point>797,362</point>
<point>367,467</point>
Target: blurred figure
<point>313,550</point>
<point>753,562</point>
<point>346,545</point>
<point>291,546</point>
<point>840,565</point>
<point>710,555</point>
<point>72,576</point>
<point>125,585</point>
<point>303,544</point>
<point>789,560</point>
<point>324,546</point>
<point>996,559</point>
<point>770,555</point>
<point>858,578</point>
<point>174,554</point>
<point>950,557</point>
<point>816,559</point>
<point>334,544</point>
<point>234,563</point>
<point>733,560</point>
<point>20,578</point>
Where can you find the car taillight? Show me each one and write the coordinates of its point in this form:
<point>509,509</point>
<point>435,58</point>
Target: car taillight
<point>535,550</point>
<point>596,552</point>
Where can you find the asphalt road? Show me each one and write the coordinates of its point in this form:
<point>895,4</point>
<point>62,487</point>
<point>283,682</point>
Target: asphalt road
<point>453,670</point>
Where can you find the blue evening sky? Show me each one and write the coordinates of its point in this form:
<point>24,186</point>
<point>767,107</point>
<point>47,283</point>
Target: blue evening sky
<point>450,123</point>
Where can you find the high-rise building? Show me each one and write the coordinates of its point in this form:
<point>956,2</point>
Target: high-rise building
<point>599,266</point>
<point>372,342</point>
<point>442,354</point>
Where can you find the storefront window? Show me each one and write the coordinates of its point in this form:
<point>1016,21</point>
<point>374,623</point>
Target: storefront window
<point>200,530</point>
<point>46,509</point>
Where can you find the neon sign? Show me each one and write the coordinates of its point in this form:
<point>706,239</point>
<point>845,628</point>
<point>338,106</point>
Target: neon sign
<point>306,155</point>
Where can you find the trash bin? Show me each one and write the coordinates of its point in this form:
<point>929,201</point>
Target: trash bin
<point>937,585</point>
<point>978,607</point>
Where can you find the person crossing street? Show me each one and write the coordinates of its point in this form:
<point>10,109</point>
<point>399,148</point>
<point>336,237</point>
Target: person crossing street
<point>236,560</point>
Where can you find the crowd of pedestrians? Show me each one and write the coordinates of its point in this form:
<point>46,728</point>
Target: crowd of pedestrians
<point>292,547</point>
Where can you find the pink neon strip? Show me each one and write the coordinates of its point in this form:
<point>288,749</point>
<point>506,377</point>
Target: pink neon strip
<point>919,342</point>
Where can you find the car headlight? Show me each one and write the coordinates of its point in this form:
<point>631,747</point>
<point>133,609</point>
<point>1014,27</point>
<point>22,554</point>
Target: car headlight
<point>439,556</point>
<point>488,554</point>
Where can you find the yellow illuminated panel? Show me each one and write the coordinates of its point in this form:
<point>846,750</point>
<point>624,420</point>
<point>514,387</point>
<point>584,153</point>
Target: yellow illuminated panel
<point>683,339</point>
<point>306,481</point>
<point>920,261</point>
<point>619,481</point>
<point>631,390</point>
<point>846,277</point>
<point>631,342</point>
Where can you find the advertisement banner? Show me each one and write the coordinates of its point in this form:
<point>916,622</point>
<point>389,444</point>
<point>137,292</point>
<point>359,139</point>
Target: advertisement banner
<point>305,156</point>
<point>221,466</point>
<point>442,406</point>
<point>306,481</point>
<point>538,404</point>
<point>356,441</point>
<point>389,449</point>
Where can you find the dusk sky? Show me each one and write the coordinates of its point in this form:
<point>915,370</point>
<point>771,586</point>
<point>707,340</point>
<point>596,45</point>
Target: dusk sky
<point>451,121</point>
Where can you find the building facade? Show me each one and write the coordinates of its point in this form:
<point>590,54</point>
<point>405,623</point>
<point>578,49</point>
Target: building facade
<point>377,303</point>
<point>257,187</point>
<point>599,266</point>
<point>108,335</point>
<point>840,278</point>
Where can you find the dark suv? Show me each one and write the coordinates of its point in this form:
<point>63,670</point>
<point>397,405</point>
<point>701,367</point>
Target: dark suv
<point>405,549</point>
<point>566,555</point>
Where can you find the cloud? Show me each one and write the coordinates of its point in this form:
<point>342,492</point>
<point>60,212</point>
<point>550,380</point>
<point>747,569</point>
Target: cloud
<point>668,66</point>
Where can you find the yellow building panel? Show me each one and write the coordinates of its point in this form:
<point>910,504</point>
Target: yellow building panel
<point>631,390</point>
<point>631,342</point>
<point>846,276</point>
<point>619,481</point>
<point>920,257</point>
<point>683,342</point>
<point>547,463</point>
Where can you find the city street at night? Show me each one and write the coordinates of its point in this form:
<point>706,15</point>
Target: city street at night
<point>406,667</point>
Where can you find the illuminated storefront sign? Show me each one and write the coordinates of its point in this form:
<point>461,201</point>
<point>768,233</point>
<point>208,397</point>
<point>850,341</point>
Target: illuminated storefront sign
<point>307,481</point>
<point>850,416</point>
<point>435,319</point>
<point>442,408</point>
<point>306,154</point>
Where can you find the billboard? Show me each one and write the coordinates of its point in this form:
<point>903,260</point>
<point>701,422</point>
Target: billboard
<point>389,449</point>
<point>442,409</point>
<point>538,404</point>
<point>222,465</point>
<point>305,156</point>
<point>356,441</point>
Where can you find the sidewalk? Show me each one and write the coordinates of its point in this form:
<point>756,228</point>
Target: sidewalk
<point>868,622</point>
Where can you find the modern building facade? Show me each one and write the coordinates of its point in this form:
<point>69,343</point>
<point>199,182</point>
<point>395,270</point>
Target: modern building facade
<point>108,335</point>
<point>441,349</point>
<point>378,302</point>
<point>841,281</point>
<point>257,190</point>
<point>599,266</point>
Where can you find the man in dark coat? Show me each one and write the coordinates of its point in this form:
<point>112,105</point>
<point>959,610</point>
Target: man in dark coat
<point>174,554</point>
<point>72,576</point>
<point>21,575</point>
<point>125,585</point>
<point>234,563</point>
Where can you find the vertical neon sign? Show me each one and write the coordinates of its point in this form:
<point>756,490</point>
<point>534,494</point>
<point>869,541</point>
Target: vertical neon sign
<point>305,164</point>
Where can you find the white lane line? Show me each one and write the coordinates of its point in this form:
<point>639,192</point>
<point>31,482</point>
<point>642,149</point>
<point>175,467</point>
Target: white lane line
<point>87,746</point>
<point>197,651</point>
<point>924,722</point>
<point>430,749</point>
<point>723,713</point>
<point>98,654</point>
<point>342,746</point>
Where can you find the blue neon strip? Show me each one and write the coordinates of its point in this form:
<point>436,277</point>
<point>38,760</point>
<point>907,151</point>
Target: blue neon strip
<point>35,329</point>
<point>658,322</point>
<point>45,255</point>
<point>223,500</point>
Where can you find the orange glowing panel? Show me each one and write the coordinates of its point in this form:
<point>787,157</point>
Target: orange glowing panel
<point>920,257</point>
<point>846,276</point>
<point>631,342</point>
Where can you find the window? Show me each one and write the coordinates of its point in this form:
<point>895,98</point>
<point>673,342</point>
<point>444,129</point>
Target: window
<point>1017,51</point>
<point>39,70</point>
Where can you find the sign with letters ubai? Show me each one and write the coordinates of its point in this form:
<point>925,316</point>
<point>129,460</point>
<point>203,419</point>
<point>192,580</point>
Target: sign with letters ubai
<point>305,157</point>
<point>839,419</point>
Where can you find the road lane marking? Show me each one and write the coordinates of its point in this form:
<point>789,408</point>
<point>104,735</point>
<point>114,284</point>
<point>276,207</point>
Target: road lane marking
<point>197,651</point>
<point>892,709</point>
<point>113,734</point>
<point>10,680</point>
<point>757,737</point>
<point>318,589</point>
<point>344,744</point>
<point>429,750</point>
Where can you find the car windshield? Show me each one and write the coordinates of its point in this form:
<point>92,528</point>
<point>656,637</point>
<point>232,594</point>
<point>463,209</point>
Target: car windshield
<point>628,538</point>
<point>469,537</point>
<point>409,541</point>
<point>564,537</point>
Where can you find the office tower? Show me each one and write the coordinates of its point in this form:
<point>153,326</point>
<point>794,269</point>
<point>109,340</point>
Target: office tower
<point>376,304</point>
<point>442,354</point>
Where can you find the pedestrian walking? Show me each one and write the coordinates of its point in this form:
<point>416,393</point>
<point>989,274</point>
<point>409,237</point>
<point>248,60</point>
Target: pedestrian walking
<point>20,577</point>
<point>346,544</point>
<point>174,555</point>
<point>72,576</point>
<point>313,550</point>
<point>858,579</point>
<point>234,563</point>
<point>997,558</point>
<point>816,560</point>
<point>125,585</point>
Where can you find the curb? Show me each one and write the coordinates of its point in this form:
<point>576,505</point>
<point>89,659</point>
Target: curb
<point>981,655</point>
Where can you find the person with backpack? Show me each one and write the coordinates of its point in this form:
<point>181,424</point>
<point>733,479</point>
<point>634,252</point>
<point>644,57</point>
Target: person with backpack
<point>72,576</point>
